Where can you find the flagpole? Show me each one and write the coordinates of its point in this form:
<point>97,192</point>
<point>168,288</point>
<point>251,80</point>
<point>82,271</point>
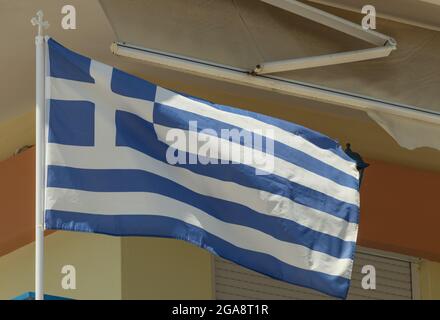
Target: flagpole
<point>39,154</point>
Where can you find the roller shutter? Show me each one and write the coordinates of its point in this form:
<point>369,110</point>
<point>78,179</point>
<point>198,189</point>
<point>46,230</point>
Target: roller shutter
<point>393,281</point>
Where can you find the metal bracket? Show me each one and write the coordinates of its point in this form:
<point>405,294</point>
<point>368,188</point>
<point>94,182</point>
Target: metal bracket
<point>386,44</point>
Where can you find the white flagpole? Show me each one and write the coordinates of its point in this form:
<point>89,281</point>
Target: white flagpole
<point>40,154</point>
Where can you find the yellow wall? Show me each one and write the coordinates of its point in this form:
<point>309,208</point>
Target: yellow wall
<point>16,133</point>
<point>430,280</point>
<point>156,268</point>
<point>97,260</point>
<point>112,268</point>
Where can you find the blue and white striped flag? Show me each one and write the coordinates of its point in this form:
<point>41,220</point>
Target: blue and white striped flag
<point>128,158</point>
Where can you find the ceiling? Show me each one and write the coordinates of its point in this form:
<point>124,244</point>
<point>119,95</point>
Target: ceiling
<point>239,33</point>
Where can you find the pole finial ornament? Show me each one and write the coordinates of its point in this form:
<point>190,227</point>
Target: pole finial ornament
<point>39,21</point>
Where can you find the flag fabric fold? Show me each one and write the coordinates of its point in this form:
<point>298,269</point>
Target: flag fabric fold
<point>126,157</point>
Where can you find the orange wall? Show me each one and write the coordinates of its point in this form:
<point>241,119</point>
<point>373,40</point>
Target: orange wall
<point>17,201</point>
<point>400,208</point>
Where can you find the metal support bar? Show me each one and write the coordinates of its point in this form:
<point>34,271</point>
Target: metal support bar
<point>331,21</point>
<point>324,60</point>
<point>275,84</point>
<point>386,44</point>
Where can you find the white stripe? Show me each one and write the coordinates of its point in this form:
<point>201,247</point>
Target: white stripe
<point>114,203</point>
<point>260,201</point>
<point>246,155</point>
<point>180,102</point>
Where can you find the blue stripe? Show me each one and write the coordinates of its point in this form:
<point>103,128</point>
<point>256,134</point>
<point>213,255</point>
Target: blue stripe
<point>318,139</point>
<point>130,86</point>
<point>123,180</point>
<point>67,64</point>
<point>134,132</point>
<point>159,226</point>
<point>175,118</point>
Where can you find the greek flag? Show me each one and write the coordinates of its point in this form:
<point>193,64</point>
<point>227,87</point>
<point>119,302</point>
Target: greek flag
<point>125,157</point>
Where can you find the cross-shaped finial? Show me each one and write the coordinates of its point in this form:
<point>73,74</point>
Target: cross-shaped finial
<point>38,21</point>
